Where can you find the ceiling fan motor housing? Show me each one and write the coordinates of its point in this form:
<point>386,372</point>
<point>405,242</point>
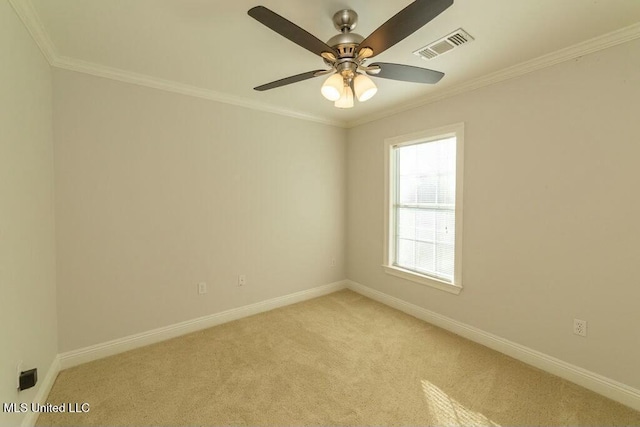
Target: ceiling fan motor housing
<point>345,44</point>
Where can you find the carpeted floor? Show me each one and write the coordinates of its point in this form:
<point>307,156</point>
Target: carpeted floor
<point>341,359</point>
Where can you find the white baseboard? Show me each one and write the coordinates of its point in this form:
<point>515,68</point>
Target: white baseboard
<point>120,345</point>
<point>43,392</point>
<point>602,385</point>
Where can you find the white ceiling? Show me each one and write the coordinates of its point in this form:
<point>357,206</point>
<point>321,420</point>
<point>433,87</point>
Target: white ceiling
<point>214,45</point>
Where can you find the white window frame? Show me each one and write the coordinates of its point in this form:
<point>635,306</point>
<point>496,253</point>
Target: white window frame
<point>457,131</point>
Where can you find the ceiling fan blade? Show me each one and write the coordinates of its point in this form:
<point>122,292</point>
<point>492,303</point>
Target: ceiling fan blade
<point>289,80</point>
<point>404,23</point>
<point>406,73</point>
<point>289,30</point>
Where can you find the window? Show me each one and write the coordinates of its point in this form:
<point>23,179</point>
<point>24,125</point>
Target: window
<point>423,236</point>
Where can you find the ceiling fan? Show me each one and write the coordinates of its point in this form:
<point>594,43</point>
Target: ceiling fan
<point>347,53</point>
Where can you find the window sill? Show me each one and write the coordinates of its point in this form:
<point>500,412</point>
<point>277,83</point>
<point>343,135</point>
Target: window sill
<point>422,279</point>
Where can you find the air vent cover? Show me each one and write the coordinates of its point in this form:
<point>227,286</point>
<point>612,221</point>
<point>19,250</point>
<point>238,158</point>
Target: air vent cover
<point>444,45</point>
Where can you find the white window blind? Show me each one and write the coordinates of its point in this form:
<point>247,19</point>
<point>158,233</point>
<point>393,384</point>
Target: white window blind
<point>424,208</point>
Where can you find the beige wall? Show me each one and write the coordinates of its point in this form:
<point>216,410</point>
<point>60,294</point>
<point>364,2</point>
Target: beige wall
<point>27,259</point>
<point>551,229</point>
<point>157,191</point>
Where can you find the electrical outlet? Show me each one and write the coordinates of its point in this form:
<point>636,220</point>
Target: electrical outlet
<point>242,280</point>
<point>202,288</point>
<point>580,327</point>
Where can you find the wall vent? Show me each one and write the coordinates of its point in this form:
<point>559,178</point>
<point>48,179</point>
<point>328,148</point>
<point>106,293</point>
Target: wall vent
<point>445,44</point>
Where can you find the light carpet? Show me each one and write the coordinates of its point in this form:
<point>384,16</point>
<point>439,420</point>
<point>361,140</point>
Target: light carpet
<point>341,359</point>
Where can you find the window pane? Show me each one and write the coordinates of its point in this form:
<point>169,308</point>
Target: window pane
<point>447,155</point>
<point>427,157</point>
<point>425,231</point>
<point>445,260</point>
<point>427,189</point>
<point>407,186</point>
<point>446,227</point>
<point>425,225</point>
<point>426,257</point>
<point>406,254</point>
<point>406,224</point>
<point>447,189</point>
<point>408,160</point>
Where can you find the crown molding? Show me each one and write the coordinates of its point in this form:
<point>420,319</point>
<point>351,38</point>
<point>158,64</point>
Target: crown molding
<point>29,17</point>
<point>32,22</point>
<point>25,10</point>
<point>595,44</point>
<point>98,70</point>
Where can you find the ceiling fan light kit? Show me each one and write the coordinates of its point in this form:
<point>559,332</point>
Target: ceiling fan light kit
<point>347,53</point>
<point>346,100</point>
<point>333,87</point>
<point>336,87</point>
<point>364,87</point>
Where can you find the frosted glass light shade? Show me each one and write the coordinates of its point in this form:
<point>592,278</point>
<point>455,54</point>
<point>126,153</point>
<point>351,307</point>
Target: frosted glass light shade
<point>346,100</point>
<point>364,87</point>
<point>333,87</point>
